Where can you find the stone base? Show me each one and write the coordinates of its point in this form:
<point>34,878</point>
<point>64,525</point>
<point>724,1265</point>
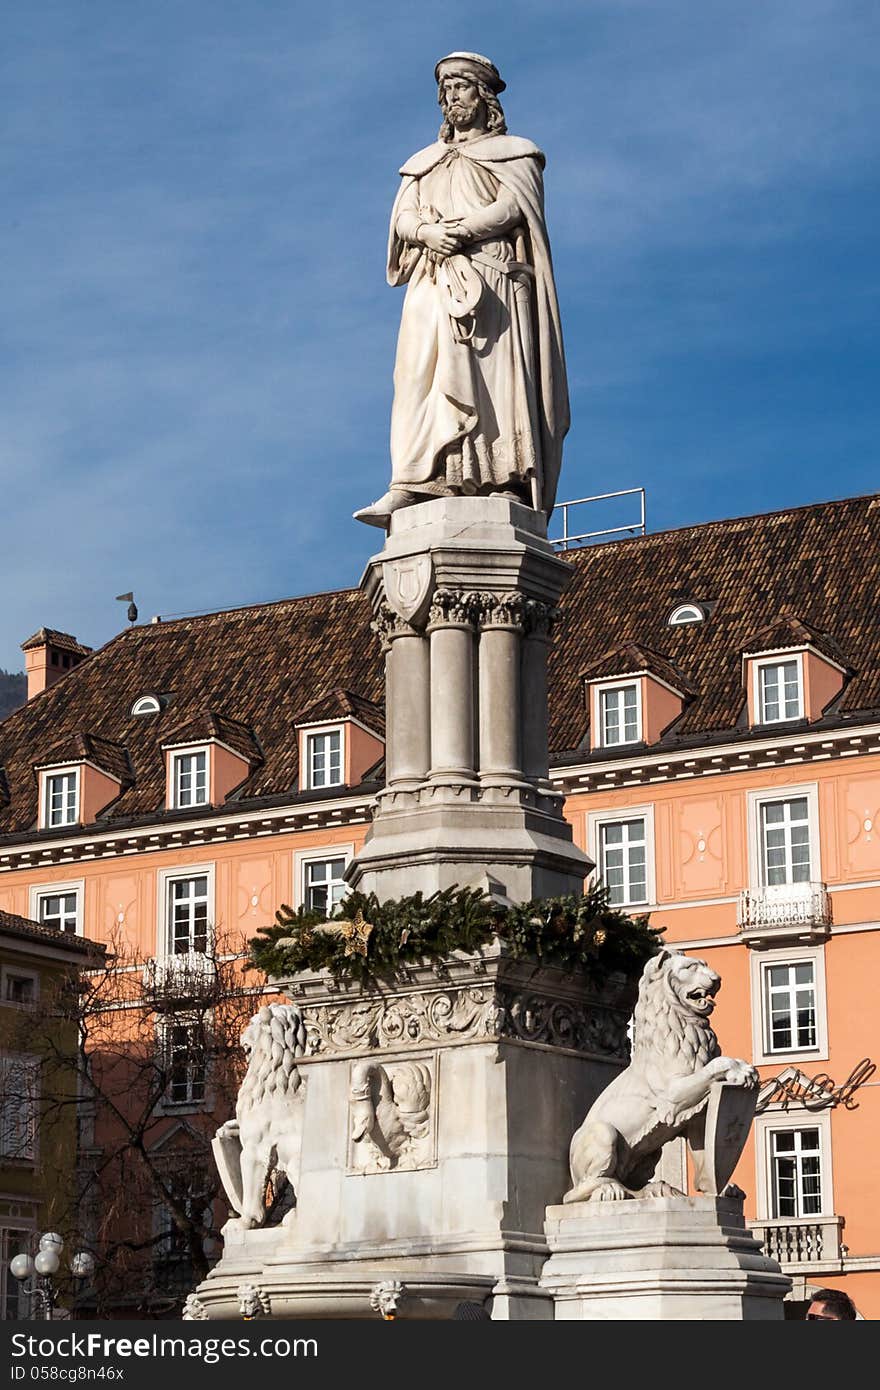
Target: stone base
<point>659,1259</point>
<point>509,1056</point>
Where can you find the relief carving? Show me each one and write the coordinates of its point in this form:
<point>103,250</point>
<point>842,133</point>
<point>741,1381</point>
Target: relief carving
<point>473,1012</point>
<point>391,1113</point>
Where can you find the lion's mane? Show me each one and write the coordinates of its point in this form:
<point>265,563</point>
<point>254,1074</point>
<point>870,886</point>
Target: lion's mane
<point>664,1026</point>
<point>275,1037</point>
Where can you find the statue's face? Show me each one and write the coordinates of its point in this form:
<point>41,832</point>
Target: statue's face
<point>461,101</point>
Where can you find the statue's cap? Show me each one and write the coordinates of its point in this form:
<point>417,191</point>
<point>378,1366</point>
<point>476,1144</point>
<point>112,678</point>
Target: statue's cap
<point>471,65</point>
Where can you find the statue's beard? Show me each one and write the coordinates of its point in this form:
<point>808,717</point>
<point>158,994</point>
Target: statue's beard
<point>461,116</point>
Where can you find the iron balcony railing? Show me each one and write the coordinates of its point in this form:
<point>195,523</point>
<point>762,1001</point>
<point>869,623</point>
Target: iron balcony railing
<point>788,905</point>
<point>188,975</point>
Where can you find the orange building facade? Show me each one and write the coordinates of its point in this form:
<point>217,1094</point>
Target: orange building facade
<point>715,726</point>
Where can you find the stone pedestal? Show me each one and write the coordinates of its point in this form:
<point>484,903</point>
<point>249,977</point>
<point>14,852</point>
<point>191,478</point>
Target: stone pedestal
<point>464,598</point>
<point>659,1259</point>
<point>477,1073</point>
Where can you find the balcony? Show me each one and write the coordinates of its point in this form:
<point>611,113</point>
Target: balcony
<point>190,977</point>
<point>810,1244</point>
<point>789,911</point>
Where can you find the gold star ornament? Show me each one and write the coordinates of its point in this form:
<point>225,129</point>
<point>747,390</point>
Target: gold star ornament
<point>357,933</point>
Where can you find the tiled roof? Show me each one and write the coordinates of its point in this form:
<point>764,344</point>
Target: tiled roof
<point>631,657</point>
<point>110,757</point>
<point>208,724</point>
<point>789,631</point>
<point>343,704</point>
<point>64,641</point>
<point>266,667</point>
<point>13,925</point>
<point>256,666</point>
<point>821,562</point>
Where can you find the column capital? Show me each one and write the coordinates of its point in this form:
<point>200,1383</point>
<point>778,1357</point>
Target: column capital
<point>454,608</point>
<point>388,624</point>
<point>541,619</point>
<point>508,610</point>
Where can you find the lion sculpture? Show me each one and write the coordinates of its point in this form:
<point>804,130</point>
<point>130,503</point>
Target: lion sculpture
<point>266,1135</point>
<point>665,1090</point>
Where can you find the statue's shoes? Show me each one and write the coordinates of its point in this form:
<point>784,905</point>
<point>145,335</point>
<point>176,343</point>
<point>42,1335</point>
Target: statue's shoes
<point>379,512</point>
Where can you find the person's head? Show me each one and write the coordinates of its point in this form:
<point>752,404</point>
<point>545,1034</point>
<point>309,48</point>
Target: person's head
<point>467,90</point>
<point>831,1305</point>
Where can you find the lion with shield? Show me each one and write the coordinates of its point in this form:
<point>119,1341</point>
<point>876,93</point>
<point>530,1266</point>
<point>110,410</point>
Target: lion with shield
<point>677,1083</point>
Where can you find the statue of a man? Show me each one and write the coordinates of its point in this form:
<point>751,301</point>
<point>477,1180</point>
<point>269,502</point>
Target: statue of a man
<point>480,393</point>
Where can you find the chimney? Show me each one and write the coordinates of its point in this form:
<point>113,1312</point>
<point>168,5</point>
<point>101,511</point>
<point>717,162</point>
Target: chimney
<point>48,656</point>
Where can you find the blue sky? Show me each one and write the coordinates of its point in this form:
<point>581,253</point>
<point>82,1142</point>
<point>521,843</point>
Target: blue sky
<point>197,337</point>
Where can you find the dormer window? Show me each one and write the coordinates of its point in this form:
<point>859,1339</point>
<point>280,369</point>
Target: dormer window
<point>780,690</point>
<point>686,613</point>
<point>620,714</point>
<point>324,758</point>
<point>146,704</point>
<point>190,778</point>
<point>60,798</point>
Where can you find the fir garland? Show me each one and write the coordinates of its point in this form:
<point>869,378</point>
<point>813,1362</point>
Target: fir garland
<point>367,941</point>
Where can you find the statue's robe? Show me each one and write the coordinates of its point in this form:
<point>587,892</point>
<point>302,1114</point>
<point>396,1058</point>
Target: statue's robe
<point>488,414</point>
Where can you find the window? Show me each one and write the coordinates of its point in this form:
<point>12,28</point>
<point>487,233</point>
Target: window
<point>58,905</point>
<point>779,691</point>
<point>623,861</point>
<point>324,759</point>
<point>20,987</point>
<point>61,799</point>
<point>186,1063</point>
<point>324,885</point>
<point>796,1172</point>
<point>188,914</point>
<point>19,1102</point>
<point>147,704</point>
<point>686,613</point>
<point>790,1007</point>
<point>58,910</point>
<point>785,842</point>
<point>14,1302</point>
<point>172,1255</point>
<point>789,1018</point>
<point>190,778</point>
<point>620,715</point>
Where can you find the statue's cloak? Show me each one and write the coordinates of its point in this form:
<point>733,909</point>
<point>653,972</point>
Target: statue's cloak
<point>518,165</point>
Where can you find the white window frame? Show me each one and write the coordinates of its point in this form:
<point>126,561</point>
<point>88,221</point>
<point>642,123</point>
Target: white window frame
<point>686,613</point>
<point>756,800</point>
<point>303,857</point>
<point>19,973</point>
<point>146,704</point>
<point>760,664</point>
<point>164,879</point>
<point>759,964</point>
<point>597,819</point>
<point>322,731</point>
<point>772,1121</point>
<point>177,757</point>
<point>11,1059</point>
<point>47,776</point>
<point>614,687</point>
<point>38,891</point>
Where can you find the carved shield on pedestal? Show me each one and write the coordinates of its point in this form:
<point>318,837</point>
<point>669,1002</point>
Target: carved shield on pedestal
<point>717,1137</point>
<point>408,584</point>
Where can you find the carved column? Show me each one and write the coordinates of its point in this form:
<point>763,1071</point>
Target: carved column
<point>451,632</point>
<point>501,689</point>
<point>540,619</point>
<point>407,701</point>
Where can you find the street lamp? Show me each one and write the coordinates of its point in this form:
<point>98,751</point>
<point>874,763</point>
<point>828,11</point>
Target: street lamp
<point>37,1272</point>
